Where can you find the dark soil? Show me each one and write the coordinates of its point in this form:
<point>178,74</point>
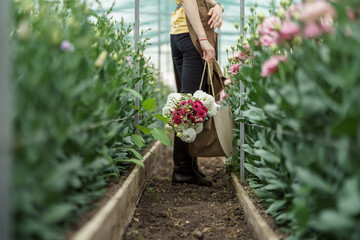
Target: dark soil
<point>188,211</point>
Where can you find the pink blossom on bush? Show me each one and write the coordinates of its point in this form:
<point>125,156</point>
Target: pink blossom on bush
<point>227,82</point>
<point>223,95</point>
<point>129,61</point>
<point>234,68</point>
<point>289,30</point>
<point>270,25</point>
<point>270,66</point>
<point>267,40</point>
<point>312,30</point>
<point>315,10</point>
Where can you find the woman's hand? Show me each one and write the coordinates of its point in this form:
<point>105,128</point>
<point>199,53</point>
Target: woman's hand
<point>208,50</point>
<point>216,16</point>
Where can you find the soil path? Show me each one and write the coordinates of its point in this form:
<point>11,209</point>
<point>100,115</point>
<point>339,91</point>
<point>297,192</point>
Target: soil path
<point>188,211</point>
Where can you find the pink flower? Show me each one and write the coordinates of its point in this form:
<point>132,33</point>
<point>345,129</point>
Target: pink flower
<point>201,119</point>
<point>267,40</point>
<point>204,108</point>
<point>227,82</point>
<point>129,61</point>
<point>190,102</point>
<point>223,95</point>
<point>199,102</point>
<point>67,46</point>
<point>270,66</point>
<point>193,120</point>
<point>270,25</point>
<point>189,116</point>
<point>312,30</point>
<point>234,68</point>
<point>197,106</point>
<point>316,10</point>
<point>184,111</point>
<point>201,114</point>
<point>183,103</point>
<point>289,30</point>
<point>177,119</point>
<point>350,14</point>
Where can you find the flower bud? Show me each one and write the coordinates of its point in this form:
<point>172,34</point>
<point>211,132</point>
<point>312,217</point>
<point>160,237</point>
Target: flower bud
<point>236,25</point>
<point>101,59</point>
<point>178,134</point>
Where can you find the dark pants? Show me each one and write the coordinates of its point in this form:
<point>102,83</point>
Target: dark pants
<point>190,67</point>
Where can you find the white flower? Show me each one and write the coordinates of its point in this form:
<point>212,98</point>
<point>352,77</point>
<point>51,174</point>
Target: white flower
<point>199,128</point>
<point>212,111</point>
<point>188,135</point>
<point>205,98</point>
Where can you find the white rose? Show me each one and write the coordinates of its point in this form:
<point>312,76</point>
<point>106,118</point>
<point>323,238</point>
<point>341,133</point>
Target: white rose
<point>212,111</point>
<point>199,127</point>
<point>188,135</point>
<point>166,110</point>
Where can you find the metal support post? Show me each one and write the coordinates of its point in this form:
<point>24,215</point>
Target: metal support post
<point>242,90</point>
<point>159,38</point>
<point>5,122</point>
<point>137,34</point>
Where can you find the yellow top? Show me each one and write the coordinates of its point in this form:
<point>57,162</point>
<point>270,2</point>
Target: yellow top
<point>178,21</point>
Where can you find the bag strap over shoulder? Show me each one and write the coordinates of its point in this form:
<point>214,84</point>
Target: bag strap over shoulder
<point>207,64</point>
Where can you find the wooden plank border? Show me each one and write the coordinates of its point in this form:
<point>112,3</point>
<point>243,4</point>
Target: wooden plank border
<point>260,227</point>
<point>112,219</point>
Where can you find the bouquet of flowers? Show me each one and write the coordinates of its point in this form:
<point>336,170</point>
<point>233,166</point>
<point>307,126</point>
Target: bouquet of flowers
<point>187,113</point>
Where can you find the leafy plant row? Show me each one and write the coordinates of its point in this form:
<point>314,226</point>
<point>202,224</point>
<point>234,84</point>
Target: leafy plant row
<point>74,77</point>
<point>302,116</point>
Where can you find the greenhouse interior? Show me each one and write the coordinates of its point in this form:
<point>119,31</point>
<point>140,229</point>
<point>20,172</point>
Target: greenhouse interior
<point>184,119</point>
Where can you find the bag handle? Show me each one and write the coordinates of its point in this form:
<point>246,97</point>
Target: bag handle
<point>209,76</point>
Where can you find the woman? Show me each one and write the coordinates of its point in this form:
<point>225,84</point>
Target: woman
<point>192,31</point>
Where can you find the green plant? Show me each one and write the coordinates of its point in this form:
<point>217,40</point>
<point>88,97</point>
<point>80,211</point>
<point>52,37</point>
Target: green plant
<point>74,128</point>
<point>302,130</point>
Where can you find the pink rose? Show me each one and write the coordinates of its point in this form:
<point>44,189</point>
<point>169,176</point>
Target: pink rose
<point>205,109</point>
<point>289,30</point>
<point>183,103</point>
<point>270,66</point>
<point>189,116</point>
<point>199,102</point>
<point>268,40</point>
<point>184,111</point>
<point>197,106</point>
<point>234,68</point>
<point>315,10</point>
<point>190,102</point>
<point>177,119</point>
<point>270,25</point>
<point>201,114</point>
<point>312,30</point>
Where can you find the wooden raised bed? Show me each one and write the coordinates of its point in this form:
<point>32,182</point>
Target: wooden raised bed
<point>260,227</point>
<point>112,219</point>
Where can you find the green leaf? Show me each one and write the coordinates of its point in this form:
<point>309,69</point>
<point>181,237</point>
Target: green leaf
<point>58,212</point>
<point>133,160</point>
<point>161,118</point>
<point>159,134</point>
<point>267,156</point>
<point>145,130</point>
<point>275,206</point>
<point>135,93</point>
<point>136,153</point>
<point>136,108</point>
<point>149,104</point>
<point>138,140</point>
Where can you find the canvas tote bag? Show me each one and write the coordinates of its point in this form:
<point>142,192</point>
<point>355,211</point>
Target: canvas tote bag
<point>216,138</point>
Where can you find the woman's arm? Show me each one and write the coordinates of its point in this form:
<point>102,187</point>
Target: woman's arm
<point>192,13</point>
<point>216,15</point>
